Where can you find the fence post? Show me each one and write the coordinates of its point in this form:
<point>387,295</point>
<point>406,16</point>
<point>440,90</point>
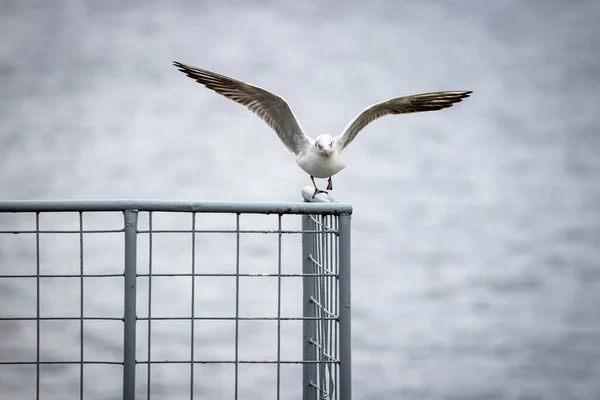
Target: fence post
<point>345,310</point>
<point>130,318</point>
<point>309,350</point>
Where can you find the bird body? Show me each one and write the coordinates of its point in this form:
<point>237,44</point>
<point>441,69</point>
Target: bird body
<point>314,162</point>
<point>319,157</point>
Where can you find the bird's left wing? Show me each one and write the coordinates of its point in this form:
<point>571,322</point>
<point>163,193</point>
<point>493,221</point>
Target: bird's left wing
<point>271,108</point>
<point>399,105</point>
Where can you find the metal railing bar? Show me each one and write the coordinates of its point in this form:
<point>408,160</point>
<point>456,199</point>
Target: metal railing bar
<point>129,304</point>
<point>315,343</point>
<point>173,206</point>
<point>99,362</point>
<point>345,338</point>
<point>62,231</point>
<point>324,393</point>
<point>193,305</point>
<point>73,362</point>
<point>322,299</point>
<point>317,388</point>
<point>120,319</point>
<point>149,319</point>
<point>334,318</point>
<point>323,266</point>
<point>241,275</point>
<point>279,308</point>
<point>37,307</point>
<point>329,356</point>
<point>314,297</point>
<point>174,274</point>
<point>62,276</point>
<point>308,313</point>
<point>325,353</point>
<point>231,231</point>
<point>81,304</point>
<point>336,309</point>
<point>318,222</point>
<point>330,300</point>
<point>322,308</point>
<point>235,362</point>
<point>237,302</point>
<point>61,318</point>
<point>319,267</point>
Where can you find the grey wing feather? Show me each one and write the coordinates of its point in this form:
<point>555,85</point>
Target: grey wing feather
<point>399,105</point>
<point>269,107</point>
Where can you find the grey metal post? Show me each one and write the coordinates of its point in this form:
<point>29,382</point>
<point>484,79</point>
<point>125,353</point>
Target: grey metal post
<point>345,310</point>
<point>309,327</point>
<point>131,220</point>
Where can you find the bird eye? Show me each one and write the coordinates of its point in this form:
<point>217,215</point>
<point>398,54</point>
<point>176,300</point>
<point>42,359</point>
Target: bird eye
<point>320,145</point>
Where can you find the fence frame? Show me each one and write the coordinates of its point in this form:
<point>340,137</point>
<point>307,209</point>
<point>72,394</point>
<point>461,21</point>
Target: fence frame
<point>321,205</point>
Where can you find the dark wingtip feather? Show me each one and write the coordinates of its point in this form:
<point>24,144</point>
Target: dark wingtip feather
<point>183,68</point>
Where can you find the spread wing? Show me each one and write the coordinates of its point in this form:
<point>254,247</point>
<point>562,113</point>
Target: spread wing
<point>399,105</point>
<point>269,107</point>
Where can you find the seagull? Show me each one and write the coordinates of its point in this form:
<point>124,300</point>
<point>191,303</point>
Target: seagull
<point>319,157</point>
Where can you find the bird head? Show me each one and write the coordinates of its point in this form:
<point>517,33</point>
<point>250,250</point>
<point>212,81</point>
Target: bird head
<point>324,145</point>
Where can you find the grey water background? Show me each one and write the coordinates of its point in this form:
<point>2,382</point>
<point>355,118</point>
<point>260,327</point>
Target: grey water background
<point>476,230</point>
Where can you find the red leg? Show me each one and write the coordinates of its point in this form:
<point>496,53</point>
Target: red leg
<point>316,188</point>
<point>329,184</point>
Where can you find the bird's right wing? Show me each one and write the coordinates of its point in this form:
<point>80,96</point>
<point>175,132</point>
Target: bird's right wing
<point>271,108</point>
<point>399,105</point>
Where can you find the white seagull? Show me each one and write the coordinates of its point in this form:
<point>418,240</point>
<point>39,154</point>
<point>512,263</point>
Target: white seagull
<point>319,157</point>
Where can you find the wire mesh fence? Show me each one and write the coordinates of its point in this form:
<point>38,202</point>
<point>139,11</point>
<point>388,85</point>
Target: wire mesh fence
<point>156,299</point>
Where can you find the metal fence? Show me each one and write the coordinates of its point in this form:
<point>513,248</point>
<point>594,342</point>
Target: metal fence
<point>321,267</point>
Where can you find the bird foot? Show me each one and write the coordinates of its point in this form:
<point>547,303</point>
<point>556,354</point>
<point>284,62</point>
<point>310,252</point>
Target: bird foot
<point>318,191</point>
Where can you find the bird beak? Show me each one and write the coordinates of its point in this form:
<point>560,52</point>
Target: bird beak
<point>326,152</point>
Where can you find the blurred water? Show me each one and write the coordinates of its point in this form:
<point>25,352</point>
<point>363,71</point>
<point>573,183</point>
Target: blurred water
<point>476,229</point>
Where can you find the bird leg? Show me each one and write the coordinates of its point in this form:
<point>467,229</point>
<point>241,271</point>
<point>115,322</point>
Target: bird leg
<point>329,184</point>
<point>317,190</point>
